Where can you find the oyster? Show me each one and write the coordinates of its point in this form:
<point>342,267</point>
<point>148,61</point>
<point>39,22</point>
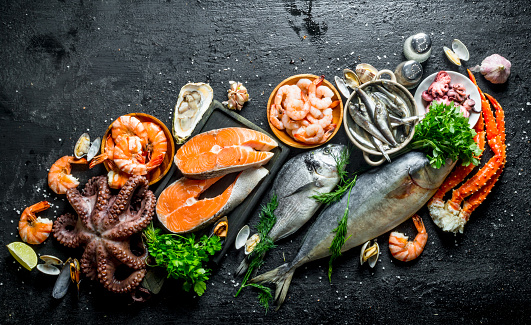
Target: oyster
<point>194,100</point>
<point>366,72</point>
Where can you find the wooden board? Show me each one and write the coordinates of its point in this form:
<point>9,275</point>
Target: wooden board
<point>217,117</point>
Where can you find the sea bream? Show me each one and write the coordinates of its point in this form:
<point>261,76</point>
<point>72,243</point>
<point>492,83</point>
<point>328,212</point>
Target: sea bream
<point>381,200</point>
<point>301,177</point>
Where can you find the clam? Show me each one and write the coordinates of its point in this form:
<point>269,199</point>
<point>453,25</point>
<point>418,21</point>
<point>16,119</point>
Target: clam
<point>242,236</point>
<point>351,78</point>
<point>194,100</point>
<point>366,72</point>
<point>221,227</point>
<point>82,146</point>
<point>251,243</point>
<point>457,53</point>
<point>94,149</point>
<point>50,265</point>
<point>370,253</point>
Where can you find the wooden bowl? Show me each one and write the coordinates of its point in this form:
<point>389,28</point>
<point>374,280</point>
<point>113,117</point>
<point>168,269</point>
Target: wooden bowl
<point>337,112</point>
<point>158,173</point>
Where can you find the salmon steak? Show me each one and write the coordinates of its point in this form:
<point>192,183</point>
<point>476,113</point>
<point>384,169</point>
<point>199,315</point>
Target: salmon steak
<point>223,151</point>
<point>180,211</point>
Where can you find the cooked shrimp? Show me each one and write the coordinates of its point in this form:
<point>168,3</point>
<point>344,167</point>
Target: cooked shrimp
<point>324,91</point>
<point>129,125</point>
<point>117,178</point>
<point>59,177</point>
<point>282,93</point>
<point>303,84</point>
<point>311,134</point>
<point>315,112</point>
<point>315,101</point>
<point>108,154</point>
<point>157,142</point>
<point>275,116</point>
<point>324,121</point>
<point>128,156</point>
<point>32,229</point>
<point>404,250</point>
<point>289,123</point>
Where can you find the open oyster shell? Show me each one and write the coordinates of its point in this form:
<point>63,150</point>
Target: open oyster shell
<point>194,100</point>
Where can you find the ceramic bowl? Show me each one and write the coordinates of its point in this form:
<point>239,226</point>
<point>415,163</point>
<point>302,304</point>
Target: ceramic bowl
<point>158,173</point>
<point>337,112</point>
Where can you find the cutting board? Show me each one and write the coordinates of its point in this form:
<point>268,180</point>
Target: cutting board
<point>217,117</point>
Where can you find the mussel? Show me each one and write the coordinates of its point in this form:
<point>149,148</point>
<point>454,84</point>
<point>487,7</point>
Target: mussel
<point>221,228</point>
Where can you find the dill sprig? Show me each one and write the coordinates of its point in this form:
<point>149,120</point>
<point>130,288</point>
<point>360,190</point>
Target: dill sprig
<point>339,239</point>
<point>265,224</point>
<point>345,183</point>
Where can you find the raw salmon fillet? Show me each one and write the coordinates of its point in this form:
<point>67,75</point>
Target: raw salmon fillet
<point>223,151</point>
<point>179,210</point>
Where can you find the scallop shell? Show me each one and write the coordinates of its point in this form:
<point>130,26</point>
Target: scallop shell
<point>366,72</point>
<point>82,146</point>
<point>460,50</point>
<point>194,100</point>
<point>351,78</point>
<point>242,236</point>
<point>251,243</point>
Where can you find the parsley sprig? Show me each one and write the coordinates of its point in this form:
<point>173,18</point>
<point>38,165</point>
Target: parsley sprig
<point>445,133</point>
<point>183,256</point>
<point>345,183</point>
<point>265,224</point>
<point>339,239</point>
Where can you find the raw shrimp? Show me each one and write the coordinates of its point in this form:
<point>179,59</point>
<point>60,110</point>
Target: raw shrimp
<point>128,156</point>
<point>129,125</point>
<point>275,116</point>
<point>311,134</point>
<point>320,103</point>
<point>324,121</point>
<point>59,177</point>
<point>157,142</point>
<point>32,229</point>
<point>108,154</point>
<point>404,250</point>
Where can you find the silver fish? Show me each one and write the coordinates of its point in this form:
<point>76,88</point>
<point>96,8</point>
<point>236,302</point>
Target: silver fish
<point>301,177</point>
<point>381,200</point>
<point>361,119</point>
<point>381,120</point>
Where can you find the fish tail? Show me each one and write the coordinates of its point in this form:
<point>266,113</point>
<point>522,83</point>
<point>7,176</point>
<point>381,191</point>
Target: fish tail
<point>281,277</point>
<point>243,267</point>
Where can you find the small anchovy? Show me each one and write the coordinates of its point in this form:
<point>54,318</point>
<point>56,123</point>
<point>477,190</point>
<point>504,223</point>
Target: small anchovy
<point>396,100</point>
<point>401,121</point>
<point>391,107</point>
<point>362,120</point>
<point>381,119</point>
<point>367,101</point>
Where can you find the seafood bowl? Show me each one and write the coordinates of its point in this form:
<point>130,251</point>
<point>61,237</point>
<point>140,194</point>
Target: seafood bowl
<point>351,126</point>
<point>337,112</point>
<point>456,78</point>
<point>158,173</point>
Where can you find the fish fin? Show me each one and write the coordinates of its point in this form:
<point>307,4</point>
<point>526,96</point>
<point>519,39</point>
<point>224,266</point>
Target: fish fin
<point>281,277</point>
<point>242,268</point>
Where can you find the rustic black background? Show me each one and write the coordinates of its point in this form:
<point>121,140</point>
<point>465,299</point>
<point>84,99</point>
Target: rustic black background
<point>67,67</point>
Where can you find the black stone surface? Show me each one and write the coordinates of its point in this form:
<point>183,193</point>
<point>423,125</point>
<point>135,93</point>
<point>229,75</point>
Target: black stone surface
<point>67,67</point>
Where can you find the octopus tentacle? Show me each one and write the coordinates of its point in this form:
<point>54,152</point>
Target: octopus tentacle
<point>65,231</point>
<point>88,260</point>
<point>107,267</point>
<point>138,184</point>
<point>122,252</point>
<point>133,223</point>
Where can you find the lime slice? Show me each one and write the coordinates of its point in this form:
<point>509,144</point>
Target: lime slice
<point>24,254</point>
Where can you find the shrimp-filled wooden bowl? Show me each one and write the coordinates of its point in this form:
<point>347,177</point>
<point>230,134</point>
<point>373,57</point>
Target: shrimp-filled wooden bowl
<point>306,117</point>
<point>161,170</point>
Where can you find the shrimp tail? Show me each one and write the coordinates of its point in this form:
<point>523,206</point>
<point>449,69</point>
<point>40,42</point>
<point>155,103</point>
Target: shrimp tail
<point>97,160</point>
<point>155,162</point>
<point>38,207</point>
<point>281,277</point>
<point>334,104</point>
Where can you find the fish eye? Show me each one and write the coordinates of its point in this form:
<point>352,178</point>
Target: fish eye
<point>327,150</point>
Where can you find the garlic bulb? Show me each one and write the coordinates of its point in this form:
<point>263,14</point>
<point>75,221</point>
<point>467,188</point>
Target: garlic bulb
<point>495,68</point>
<point>237,96</point>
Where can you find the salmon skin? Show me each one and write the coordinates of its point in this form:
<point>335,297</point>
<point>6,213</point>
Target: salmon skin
<point>300,178</point>
<point>381,200</point>
<point>180,211</point>
<point>223,151</point>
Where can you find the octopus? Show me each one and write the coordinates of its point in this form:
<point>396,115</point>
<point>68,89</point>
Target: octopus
<point>441,91</point>
<point>109,228</point>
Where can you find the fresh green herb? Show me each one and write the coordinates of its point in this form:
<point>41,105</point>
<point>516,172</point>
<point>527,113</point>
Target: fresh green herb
<point>339,239</point>
<point>183,257</point>
<point>445,133</point>
<point>345,183</point>
<point>265,224</point>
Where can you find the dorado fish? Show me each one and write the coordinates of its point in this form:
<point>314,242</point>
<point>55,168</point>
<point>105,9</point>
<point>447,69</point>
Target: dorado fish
<point>301,177</point>
<point>381,200</point>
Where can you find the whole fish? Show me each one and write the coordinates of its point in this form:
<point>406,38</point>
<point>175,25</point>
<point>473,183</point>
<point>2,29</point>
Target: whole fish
<point>361,118</point>
<point>381,200</point>
<point>381,119</point>
<point>301,177</point>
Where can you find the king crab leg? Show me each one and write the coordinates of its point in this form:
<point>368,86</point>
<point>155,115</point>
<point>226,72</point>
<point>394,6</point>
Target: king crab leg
<point>450,216</point>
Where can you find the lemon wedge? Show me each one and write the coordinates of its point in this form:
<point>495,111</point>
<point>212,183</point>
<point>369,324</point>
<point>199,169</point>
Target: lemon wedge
<point>24,254</point>
<point>452,56</point>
